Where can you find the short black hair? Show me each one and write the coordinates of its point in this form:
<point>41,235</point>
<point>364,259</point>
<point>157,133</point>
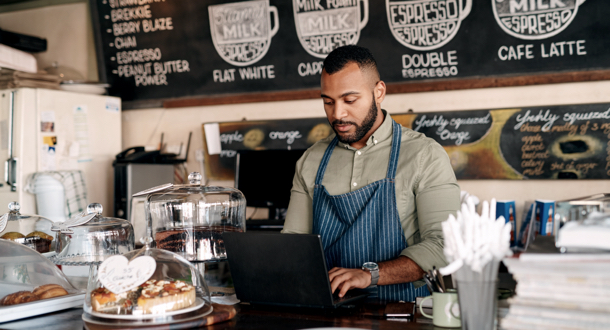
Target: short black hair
<point>340,57</point>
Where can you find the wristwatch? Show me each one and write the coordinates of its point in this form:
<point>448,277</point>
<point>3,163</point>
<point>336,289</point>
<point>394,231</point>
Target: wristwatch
<point>374,270</point>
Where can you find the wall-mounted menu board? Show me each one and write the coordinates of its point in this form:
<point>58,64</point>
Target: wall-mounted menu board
<point>165,49</point>
<point>551,142</point>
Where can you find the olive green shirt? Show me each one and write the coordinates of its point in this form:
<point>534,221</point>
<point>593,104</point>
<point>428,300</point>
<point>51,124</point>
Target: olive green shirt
<point>426,188</point>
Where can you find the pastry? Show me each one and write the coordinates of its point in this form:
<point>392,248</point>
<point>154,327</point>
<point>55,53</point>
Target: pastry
<point>40,234</point>
<point>165,296</point>
<point>13,235</point>
<point>152,297</point>
<point>42,292</point>
<point>38,241</point>
<point>18,298</point>
<point>50,291</point>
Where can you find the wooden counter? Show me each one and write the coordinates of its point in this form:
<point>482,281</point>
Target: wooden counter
<point>369,316</point>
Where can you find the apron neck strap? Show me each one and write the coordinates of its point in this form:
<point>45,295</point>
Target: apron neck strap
<point>395,151</point>
<point>392,164</point>
<point>325,159</point>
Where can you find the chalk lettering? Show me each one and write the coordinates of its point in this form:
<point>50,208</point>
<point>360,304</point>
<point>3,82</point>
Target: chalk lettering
<point>257,72</point>
<point>119,29</point>
<point>168,67</point>
<point>289,136</point>
<point>445,71</point>
<point>326,43</point>
<point>430,59</point>
<point>307,5</point>
<point>546,117</point>
<point>425,24</point>
<point>309,68</point>
<point>435,121</point>
<point>509,53</point>
<point>127,3</point>
<point>128,14</point>
<point>148,80</point>
<point>459,137</point>
<point>132,70</point>
<point>158,24</point>
<point>141,55</point>
<point>572,117</point>
<point>564,48</point>
<point>228,138</point>
<point>223,75</point>
<point>125,42</point>
<point>457,122</point>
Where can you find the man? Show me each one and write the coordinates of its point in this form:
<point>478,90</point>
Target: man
<point>376,192</point>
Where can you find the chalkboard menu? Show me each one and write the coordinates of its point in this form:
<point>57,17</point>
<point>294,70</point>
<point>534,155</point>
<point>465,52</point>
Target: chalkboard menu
<point>166,49</point>
<point>550,142</point>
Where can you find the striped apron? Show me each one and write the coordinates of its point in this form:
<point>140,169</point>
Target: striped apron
<point>363,225</point>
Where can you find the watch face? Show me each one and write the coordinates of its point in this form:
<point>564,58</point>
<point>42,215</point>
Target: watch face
<point>370,266</point>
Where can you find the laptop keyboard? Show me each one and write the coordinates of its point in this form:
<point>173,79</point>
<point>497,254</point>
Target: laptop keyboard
<point>348,296</point>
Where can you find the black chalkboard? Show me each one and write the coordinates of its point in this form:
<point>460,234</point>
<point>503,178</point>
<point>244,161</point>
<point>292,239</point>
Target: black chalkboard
<point>165,49</point>
<point>287,134</point>
<point>547,142</point>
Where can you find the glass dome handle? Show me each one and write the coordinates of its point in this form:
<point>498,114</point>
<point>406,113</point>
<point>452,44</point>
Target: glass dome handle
<point>95,208</point>
<point>195,178</point>
<point>14,206</point>
<point>146,241</point>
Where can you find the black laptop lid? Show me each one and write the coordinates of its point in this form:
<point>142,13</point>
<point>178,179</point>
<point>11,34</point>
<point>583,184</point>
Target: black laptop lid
<point>283,269</point>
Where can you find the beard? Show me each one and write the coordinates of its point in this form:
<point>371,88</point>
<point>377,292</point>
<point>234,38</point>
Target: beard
<point>361,129</point>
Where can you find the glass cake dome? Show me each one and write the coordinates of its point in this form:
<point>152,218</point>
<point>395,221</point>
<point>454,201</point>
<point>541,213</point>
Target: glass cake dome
<point>30,230</point>
<point>145,286</point>
<point>189,219</point>
<point>89,238</point>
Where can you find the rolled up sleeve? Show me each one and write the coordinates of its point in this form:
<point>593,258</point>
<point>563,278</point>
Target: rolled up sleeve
<point>299,216</point>
<point>437,195</point>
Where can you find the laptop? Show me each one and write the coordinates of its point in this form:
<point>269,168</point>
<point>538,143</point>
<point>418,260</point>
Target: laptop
<point>282,269</point>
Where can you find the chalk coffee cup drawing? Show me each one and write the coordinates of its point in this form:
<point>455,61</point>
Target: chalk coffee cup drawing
<point>242,31</point>
<point>324,26</point>
<point>445,309</point>
<point>534,20</point>
<point>426,25</point>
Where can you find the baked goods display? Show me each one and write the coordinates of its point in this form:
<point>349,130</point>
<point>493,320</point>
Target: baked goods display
<point>196,234</point>
<point>205,242</point>
<point>91,238</point>
<point>152,297</point>
<point>42,292</point>
<point>30,230</point>
<point>37,240</point>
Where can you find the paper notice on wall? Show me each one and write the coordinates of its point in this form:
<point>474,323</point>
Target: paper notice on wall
<point>81,133</point>
<point>47,121</point>
<point>212,137</point>
<point>48,159</point>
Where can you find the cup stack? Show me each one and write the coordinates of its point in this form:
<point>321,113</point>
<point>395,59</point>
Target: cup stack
<point>474,246</point>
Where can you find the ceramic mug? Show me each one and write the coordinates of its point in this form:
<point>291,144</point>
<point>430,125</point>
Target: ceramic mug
<point>445,309</point>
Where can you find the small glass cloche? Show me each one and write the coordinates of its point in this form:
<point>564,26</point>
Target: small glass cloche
<point>146,284</point>
<point>30,230</point>
<point>189,219</point>
<point>89,238</point>
<point>27,276</point>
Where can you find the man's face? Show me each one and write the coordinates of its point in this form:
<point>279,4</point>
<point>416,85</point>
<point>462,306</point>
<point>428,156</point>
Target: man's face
<point>350,100</point>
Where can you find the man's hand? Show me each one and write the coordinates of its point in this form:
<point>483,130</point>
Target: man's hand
<point>399,270</point>
<point>345,279</point>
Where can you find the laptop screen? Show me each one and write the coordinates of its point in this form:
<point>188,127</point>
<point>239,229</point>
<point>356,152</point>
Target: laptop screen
<point>282,269</point>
